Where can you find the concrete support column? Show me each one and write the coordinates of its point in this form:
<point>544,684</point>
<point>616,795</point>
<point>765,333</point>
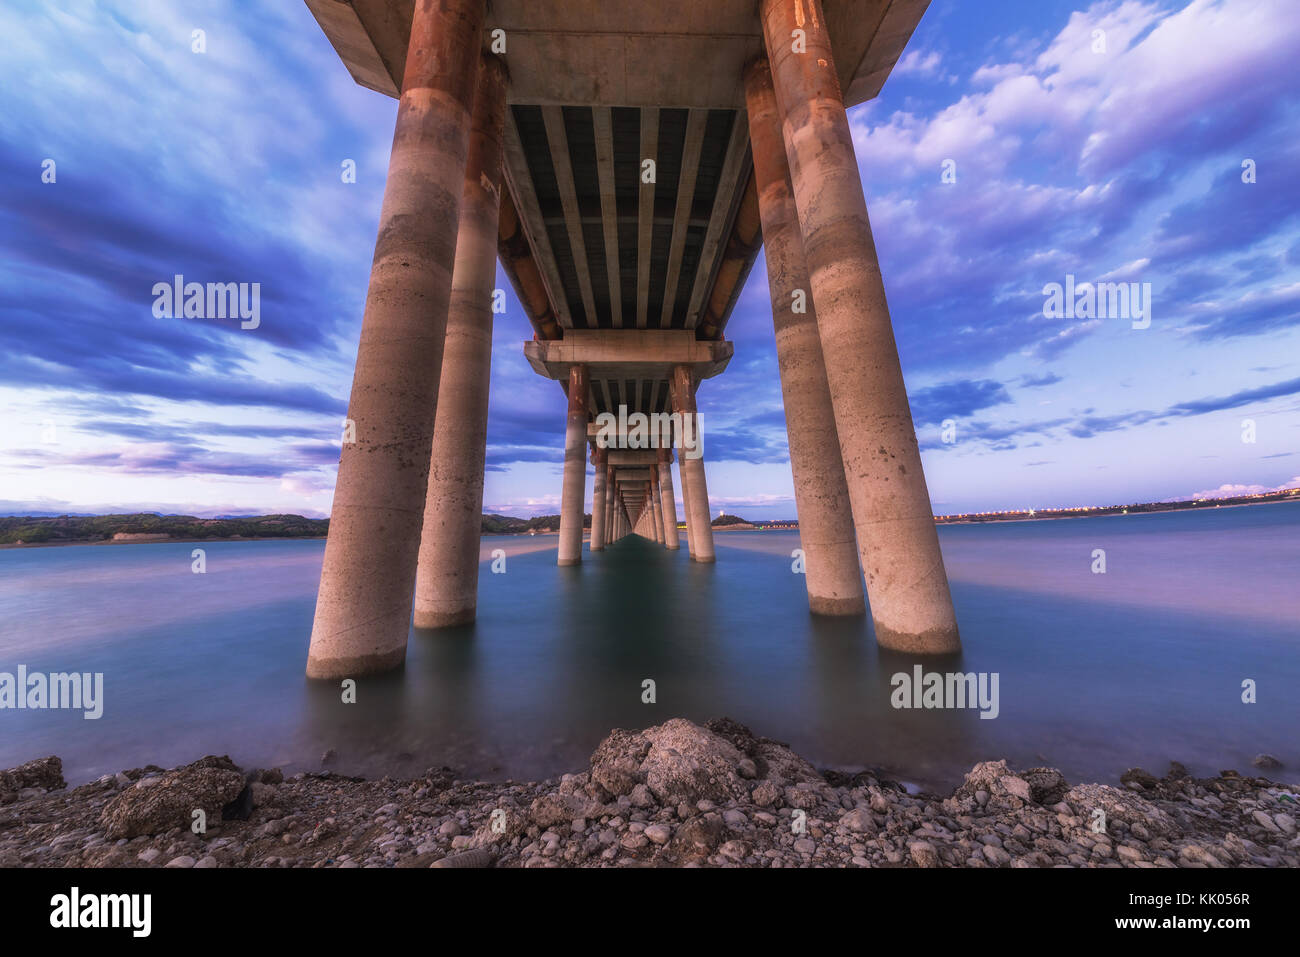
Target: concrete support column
<point>686,511</point>
<point>598,458</point>
<point>612,493</point>
<point>667,502</point>
<point>898,545</point>
<point>574,491</point>
<point>691,461</point>
<point>446,582</point>
<point>363,608</point>
<point>832,575</point>
<point>652,490</point>
<point>607,513</point>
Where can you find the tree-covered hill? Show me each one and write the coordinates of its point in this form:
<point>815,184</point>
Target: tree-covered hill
<point>45,530</point>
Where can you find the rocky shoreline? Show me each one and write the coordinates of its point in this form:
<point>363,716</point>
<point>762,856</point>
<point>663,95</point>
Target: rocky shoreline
<point>677,794</point>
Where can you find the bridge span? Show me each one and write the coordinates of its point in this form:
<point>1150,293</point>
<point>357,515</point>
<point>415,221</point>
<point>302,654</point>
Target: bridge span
<point>625,162</point>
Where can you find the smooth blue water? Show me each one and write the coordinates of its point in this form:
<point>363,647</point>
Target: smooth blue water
<point>1140,665</point>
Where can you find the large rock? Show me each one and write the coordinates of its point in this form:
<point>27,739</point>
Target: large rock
<point>679,762</point>
<point>1117,805</point>
<point>1047,786</point>
<point>616,762</point>
<point>772,760</point>
<point>1008,788</point>
<point>44,773</point>
<point>687,763</point>
<point>158,804</point>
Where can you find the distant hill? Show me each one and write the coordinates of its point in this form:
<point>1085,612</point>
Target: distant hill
<point>149,526</point>
<point>509,525</point>
<point>103,528</point>
<point>722,521</point>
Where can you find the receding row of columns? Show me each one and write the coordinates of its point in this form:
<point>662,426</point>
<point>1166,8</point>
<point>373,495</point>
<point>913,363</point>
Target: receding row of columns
<point>405,525</point>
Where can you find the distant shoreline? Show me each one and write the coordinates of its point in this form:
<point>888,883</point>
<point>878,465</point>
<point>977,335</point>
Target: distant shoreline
<point>233,538</point>
<point>983,518</point>
<point>1143,508</point>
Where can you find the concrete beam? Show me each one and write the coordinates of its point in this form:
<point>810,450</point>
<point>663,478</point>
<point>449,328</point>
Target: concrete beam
<point>604,131</point>
<point>628,353</point>
<point>519,182</point>
<point>624,458</point>
<point>553,117</point>
<point>672,54</point>
<point>691,149</point>
<point>645,223</point>
<point>731,183</point>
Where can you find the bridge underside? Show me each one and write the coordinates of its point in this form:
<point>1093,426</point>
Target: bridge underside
<point>625,162</point>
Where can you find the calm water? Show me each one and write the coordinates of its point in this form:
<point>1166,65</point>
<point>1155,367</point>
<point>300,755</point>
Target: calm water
<point>1097,672</point>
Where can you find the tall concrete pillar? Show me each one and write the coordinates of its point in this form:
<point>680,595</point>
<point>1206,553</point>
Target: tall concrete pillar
<point>898,545</point>
<point>607,510</point>
<point>574,491</point>
<point>363,608</point>
<point>598,457</point>
<point>446,582</point>
<point>652,490</point>
<point>686,510</point>
<point>667,502</point>
<point>832,575</point>
<point>694,485</point>
<point>612,494</point>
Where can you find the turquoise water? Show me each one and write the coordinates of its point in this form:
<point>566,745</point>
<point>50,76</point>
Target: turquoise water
<point>1097,672</point>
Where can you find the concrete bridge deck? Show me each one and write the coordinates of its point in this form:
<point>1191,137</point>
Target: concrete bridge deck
<point>624,161</point>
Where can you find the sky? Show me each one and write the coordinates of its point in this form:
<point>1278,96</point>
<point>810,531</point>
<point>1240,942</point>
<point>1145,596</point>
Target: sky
<point>1016,143</point>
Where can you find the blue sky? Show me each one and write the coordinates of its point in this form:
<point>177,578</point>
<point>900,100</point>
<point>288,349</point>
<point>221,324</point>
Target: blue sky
<point>1115,164</point>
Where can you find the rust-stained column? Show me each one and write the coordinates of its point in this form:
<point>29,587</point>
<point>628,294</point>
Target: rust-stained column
<point>652,490</point>
<point>686,510</point>
<point>690,457</point>
<point>832,575</point>
<point>899,547</point>
<point>598,458</point>
<point>667,501</point>
<point>363,608</point>
<point>609,502</point>
<point>446,583</point>
<point>574,490</point>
